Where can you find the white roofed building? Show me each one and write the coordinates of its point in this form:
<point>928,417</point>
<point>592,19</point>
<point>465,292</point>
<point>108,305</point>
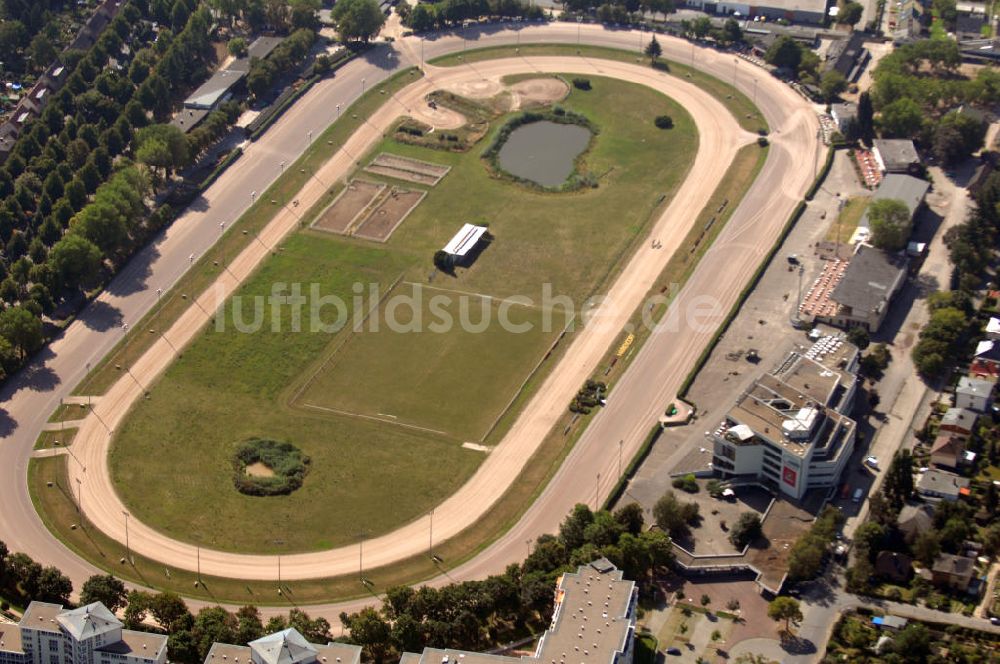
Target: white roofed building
<point>789,430</point>
<point>465,245</point>
<point>90,634</point>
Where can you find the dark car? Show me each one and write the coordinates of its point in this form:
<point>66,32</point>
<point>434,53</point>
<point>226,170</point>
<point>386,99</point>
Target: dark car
<point>673,651</point>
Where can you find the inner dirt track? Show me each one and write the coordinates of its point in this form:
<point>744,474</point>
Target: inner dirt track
<point>639,397</point>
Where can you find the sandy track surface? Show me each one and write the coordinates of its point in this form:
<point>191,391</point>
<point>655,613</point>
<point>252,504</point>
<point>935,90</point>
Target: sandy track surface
<point>441,117</point>
<point>541,91</point>
<point>720,137</point>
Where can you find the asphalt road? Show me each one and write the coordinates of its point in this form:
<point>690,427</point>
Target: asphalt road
<point>638,399</point>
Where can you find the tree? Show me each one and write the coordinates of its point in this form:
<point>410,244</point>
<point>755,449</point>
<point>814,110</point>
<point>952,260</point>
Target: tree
<point>889,219</point>
<point>673,516</point>
<point>653,49</point>
<point>903,118</point>
<point>572,531</point>
<point>358,20</point>
<point>136,608</point>
<point>213,624</point>
<point>422,18</point>
<point>913,643</point>
<point>370,631</point>
<point>248,625</point>
<point>170,611</point>
<point>926,547</point>
<point>859,337</point>
<point>831,84</point>
<point>77,261</point>
<point>106,589</point>
<point>22,329</point>
<point>866,118</point>
<point>850,13</point>
<point>237,47</point>
<point>22,574</point>
<point>170,146</point>
<point>53,586</point>
<point>898,484</point>
<point>746,529</point>
<point>784,608</point>
<point>701,26</point>
<point>784,52</point>
<point>731,32</point>
<point>630,516</point>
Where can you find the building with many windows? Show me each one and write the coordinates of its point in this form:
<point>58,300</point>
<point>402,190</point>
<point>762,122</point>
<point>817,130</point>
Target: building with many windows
<point>790,430</point>
<point>593,621</point>
<point>91,634</point>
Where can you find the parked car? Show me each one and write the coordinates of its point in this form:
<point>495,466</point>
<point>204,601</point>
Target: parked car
<point>871,462</point>
<point>673,651</point>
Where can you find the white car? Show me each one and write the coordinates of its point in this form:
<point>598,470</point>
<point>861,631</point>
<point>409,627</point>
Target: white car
<point>872,462</point>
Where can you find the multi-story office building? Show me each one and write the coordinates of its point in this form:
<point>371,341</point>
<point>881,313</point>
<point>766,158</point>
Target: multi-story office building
<point>789,430</point>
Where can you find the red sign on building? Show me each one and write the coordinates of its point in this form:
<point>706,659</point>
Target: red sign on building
<point>789,476</point>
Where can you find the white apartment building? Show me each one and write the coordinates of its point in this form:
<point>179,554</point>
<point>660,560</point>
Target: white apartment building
<point>789,430</point>
<point>91,634</point>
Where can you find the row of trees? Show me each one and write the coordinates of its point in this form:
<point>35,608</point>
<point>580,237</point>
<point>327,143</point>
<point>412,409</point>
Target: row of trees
<point>283,59</point>
<point>54,209</point>
<point>475,615</point>
<point>190,635</point>
<point>447,13</point>
<point>944,337</point>
<point>257,15</point>
<point>806,558</point>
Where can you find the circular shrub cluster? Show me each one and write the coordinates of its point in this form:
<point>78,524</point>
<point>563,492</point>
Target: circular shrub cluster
<point>664,122</point>
<point>287,462</point>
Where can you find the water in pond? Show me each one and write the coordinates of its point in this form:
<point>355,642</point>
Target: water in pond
<point>543,152</point>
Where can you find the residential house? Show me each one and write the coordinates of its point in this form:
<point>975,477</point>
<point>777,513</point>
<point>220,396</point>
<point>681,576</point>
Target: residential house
<point>952,572</point>
<point>993,329</point>
<point>948,450</point>
<point>913,520</point>
<point>909,22</point>
<point>940,484</point>
<point>845,115</point>
<point>894,566</point>
<point>958,421</point>
<point>986,360</point>
<point>974,394</point>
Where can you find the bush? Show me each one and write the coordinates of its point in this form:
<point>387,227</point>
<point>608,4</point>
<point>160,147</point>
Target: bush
<point>284,459</point>
<point>664,122</point>
<point>762,142</point>
<point>581,83</point>
<point>686,483</point>
<point>747,529</point>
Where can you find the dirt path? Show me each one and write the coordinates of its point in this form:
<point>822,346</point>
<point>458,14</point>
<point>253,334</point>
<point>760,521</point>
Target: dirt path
<point>720,137</point>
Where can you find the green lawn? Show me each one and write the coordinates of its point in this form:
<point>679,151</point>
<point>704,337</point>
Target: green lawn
<point>842,228</point>
<point>478,372</point>
<point>172,457</point>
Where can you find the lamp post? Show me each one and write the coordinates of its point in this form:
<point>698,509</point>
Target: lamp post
<point>362,87</point>
<point>430,537</point>
<point>79,498</point>
<point>253,195</point>
<point>338,111</point>
<point>579,22</point>
<point>620,444</point>
<point>597,493</point>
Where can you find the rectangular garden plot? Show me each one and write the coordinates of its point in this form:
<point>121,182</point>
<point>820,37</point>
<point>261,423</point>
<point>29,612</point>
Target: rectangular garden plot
<point>348,206</point>
<point>404,168</point>
<point>390,213</point>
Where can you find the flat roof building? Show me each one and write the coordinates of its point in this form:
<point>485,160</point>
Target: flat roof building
<point>906,188</point>
<point>593,618</point>
<point>871,280</point>
<point>895,155</point>
<point>797,11</point>
<point>935,483</point>
<point>789,429</point>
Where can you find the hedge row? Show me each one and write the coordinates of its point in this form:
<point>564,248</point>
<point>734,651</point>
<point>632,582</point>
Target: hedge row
<point>223,165</point>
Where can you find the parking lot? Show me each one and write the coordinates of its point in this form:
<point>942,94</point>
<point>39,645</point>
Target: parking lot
<point>763,325</point>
